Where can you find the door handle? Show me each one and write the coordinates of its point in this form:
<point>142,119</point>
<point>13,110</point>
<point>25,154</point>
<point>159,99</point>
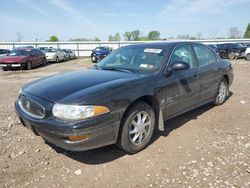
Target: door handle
<point>196,76</point>
<point>219,69</point>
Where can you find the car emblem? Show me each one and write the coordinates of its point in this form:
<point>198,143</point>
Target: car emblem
<point>27,105</point>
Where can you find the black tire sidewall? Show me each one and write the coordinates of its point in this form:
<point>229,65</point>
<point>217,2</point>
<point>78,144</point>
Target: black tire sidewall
<point>123,140</point>
<point>29,67</point>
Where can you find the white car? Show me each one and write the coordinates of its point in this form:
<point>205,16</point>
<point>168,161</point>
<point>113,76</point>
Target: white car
<point>69,54</point>
<point>55,55</point>
<point>247,53</point>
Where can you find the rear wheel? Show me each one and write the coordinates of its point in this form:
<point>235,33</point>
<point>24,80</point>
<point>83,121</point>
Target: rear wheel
<point>248,57</point>
<point>4,68</point>
<point>231,56</point>
<point>222,93</point>
<point>137,128</point>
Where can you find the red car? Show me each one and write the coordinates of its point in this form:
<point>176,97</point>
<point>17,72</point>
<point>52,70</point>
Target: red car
<point>24,58</point>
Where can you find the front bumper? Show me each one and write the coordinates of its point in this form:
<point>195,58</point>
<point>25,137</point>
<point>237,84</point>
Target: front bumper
<point>12,65</point>
<point>102,130</point>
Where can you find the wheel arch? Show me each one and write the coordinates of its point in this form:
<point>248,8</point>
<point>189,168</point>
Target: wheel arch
<point>154,103</point>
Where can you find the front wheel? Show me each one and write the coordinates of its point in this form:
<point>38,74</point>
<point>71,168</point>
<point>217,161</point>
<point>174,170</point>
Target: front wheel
<point>231,56</point>
<point>222,93</point>
<point>93,59</point>
<point>248,57</point>
<point>137,128</point>
<point>29,65</point>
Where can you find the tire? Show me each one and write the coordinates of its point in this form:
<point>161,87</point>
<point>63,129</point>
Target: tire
<point>231,56</point>
<point>45,62</point>
<point>93,59</point>
<point>222,93</point>
<point>134,137</point>
<point>248,57</point>
<point>4,68</point>
<point>29,65</point>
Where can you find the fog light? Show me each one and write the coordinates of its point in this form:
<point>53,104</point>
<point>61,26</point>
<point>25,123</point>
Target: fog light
<point>79,137</point>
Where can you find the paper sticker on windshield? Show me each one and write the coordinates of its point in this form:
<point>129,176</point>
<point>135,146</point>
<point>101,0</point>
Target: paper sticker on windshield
<point>153,50</point>
<point>146,66</point>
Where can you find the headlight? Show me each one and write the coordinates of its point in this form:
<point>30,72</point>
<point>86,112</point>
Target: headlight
<point>75,112</point>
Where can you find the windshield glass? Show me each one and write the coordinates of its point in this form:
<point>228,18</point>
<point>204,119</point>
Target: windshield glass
<point>101,48</point>
<point>20,52</point>
<point>135,59</point>
<point>51,50</point>
<point>236,45</point>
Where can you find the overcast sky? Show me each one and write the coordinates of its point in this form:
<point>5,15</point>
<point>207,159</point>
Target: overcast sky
<point>89,18</point>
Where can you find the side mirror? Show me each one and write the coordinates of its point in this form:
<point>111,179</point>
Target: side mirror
<point>176,66</point>
<point>179,66</point>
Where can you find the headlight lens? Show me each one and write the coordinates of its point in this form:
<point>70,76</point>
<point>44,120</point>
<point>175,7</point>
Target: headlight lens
<point>75,112</point>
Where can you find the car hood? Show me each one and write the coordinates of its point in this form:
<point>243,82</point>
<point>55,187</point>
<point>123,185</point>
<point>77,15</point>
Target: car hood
<point>12,59</point>
<point>69,87</point>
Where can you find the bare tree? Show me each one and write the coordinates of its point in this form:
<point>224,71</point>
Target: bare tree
<point>19,36</point>
<point>234,33</point>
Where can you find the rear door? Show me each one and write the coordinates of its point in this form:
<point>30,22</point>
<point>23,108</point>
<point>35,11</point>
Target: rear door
<point>209,70</point>
<point>183,87</point>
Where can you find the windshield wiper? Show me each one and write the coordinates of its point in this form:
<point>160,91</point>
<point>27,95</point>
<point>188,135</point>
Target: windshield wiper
<point>116,69</point>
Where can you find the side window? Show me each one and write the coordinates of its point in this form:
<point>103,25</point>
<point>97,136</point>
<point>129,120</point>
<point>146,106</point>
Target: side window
<point>183,53</point>
<point>204,55</point>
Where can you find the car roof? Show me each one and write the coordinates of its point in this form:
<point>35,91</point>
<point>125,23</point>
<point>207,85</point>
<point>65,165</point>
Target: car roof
<point>163,44</point>
<point>24,48</point>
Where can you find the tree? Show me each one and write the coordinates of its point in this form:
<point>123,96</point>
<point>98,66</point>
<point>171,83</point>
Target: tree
<point>117,37</point>
<point>53,38</point>
<point>234,33</point>
<point>247,32</point>
<point>97,39</point>
<point>154,35</point>
<point>128,36</point>
<point>135,34</point>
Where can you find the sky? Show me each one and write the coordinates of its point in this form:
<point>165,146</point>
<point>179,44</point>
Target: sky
<point>39,19</point>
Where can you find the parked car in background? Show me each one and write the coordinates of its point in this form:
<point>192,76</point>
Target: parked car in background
<point>231,50</point>
<point>43,49</point>
<point>247,53</point>
<point>69,54</point>
<point>25,58</point>
<point>99,53</point>
<point>125,97</point>
<point>213,47</point>
<point>4,52</point>
<point>55,55</point>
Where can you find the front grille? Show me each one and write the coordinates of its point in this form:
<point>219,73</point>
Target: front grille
<point>31,108</point>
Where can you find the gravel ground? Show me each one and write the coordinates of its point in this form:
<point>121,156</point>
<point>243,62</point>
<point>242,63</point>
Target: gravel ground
<point>207,147</point>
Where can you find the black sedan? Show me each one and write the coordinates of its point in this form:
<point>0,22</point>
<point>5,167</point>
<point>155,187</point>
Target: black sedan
<point>124,97</point>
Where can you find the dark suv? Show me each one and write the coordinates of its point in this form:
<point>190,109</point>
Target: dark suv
<point>99,53</point>
<point>231,50</point>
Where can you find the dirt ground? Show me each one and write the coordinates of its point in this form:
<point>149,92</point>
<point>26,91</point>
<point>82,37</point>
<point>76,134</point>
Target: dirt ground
<point>207,147</point>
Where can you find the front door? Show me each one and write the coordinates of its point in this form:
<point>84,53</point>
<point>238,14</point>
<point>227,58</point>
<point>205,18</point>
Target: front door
<point>183,89</point>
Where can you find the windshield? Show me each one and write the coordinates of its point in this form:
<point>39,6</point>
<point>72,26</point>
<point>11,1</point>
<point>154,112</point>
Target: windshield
<point>51,50</point>
<point>236,45</point>
<point>101,48</point>
<point>20,52</point>
<point>134,59</point>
